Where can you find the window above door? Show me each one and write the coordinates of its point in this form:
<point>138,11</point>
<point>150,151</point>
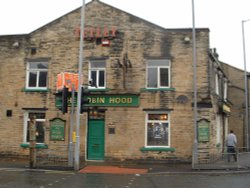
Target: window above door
<point>97,74</point>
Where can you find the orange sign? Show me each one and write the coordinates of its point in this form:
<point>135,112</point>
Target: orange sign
<point>91,33</point>
<point>66,79</point>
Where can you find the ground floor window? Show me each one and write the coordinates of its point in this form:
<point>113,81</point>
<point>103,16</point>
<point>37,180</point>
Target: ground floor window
<point>157,127</point>
<point>40,126</point>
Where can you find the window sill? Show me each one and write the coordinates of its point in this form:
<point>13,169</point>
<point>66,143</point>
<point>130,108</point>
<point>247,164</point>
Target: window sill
<point>97,90</point>
<point>157,89</point>
<point>35,90</point>
<point>160,149</point>
<point>38,146</point>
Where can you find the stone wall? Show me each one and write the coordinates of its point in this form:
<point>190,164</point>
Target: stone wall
<point>57,43</point>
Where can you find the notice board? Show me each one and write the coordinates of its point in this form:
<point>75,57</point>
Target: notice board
<point>203,130</point>
<point>57,129</point>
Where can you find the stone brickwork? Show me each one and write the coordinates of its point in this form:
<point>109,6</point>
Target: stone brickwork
<point>57,43</point>
<point>236,92</point>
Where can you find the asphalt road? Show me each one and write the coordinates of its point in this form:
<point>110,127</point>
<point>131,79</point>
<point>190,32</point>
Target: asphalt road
<point>21,178</point>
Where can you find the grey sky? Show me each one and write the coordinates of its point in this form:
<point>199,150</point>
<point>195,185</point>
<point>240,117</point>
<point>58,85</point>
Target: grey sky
<point>222,17</point>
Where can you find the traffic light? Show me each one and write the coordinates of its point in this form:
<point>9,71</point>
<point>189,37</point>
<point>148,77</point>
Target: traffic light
<point>84,100</point>
<point>65,93</point>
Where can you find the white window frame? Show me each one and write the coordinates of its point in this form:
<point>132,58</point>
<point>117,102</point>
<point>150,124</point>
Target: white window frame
<point>225,89</point>
<point>26,124</point>
<point>218,128</point>
<point>217,83</point>
<point>165,63</point>
<point>163,121</point>
<point>37,75</point>
<point>97,69</point>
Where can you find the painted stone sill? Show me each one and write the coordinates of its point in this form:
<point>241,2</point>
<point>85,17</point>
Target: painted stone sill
<point>157,89</point>
<point>157,149</point>
<point>35,90</point>
<point>97,90</point>
<point>38,146</point>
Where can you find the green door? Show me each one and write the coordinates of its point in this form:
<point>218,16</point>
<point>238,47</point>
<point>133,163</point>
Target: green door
<point>95,147</point>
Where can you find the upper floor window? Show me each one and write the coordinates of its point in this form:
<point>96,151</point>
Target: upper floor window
<point>158,73</point>
<point>97,73</point>
<point>37,73</point>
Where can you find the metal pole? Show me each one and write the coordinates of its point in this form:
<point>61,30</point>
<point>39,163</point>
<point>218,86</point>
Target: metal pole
<point>79,93</point>
<point>32,139</point>
<point>70,161</point>
<point>246,86</point>
<point>195,147</point>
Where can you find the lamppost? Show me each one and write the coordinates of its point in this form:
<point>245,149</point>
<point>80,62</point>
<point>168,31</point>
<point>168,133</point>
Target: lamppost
<point>195,147</point>
<point>246,85</point>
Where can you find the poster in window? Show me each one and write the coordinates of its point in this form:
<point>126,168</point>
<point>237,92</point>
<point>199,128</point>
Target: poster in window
<point>157,134</point>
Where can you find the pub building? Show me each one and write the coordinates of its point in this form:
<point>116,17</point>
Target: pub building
<point>140,100</point>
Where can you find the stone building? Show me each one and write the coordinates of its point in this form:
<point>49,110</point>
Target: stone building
<point>141,107</point>
<point>222,105</point>
<point>236,96</point>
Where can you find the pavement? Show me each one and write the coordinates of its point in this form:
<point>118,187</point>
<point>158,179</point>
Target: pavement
<point>125,168</point>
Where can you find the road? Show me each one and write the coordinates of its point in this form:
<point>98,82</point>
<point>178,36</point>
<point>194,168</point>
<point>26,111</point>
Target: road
<point>13,178</point>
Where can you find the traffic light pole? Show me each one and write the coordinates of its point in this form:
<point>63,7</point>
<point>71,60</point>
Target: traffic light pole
<point>79,93</point>
<point>70,161</point>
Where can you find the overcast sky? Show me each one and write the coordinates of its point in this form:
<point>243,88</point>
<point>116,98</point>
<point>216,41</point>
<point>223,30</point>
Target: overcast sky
<point>222,17</point>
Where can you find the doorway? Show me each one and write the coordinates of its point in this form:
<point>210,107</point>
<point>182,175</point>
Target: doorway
<point>95,137</point>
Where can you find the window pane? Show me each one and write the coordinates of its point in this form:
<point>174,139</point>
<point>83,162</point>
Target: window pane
<point>152,77</point>
<point>159,62</point>
<point>37,115</point>
<point>37,74</point>
<point>97,64</point>
<point>164,77</point>
<point>43,79</point>
<point>38,65</point>
<point>28,133</point>
<point>97,72</point>
<point>32,79</point>
<point>39,132</point>
<point>157,116</point>
<point>93,77</point>
<point>101,78</point>
<point>40,118</point>
<point>157,134</point>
